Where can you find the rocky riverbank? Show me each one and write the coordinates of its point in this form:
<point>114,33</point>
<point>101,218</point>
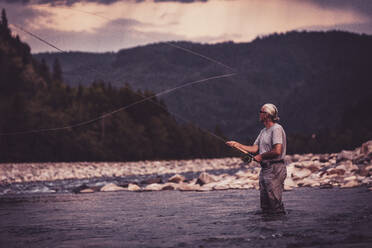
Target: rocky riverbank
<point>345,169</point>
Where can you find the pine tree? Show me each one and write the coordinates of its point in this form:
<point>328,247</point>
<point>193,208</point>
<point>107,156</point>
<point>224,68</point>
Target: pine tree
<point>57,71</point>
<point>44,71</point>
<point>4,28</point>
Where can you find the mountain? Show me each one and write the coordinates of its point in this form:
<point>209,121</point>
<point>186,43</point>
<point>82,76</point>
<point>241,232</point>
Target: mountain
<point>317,79</point>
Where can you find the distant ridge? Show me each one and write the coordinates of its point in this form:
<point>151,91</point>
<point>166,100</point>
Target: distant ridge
<point>317,79</point>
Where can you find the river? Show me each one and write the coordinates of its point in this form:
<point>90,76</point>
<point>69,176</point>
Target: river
<point>228,218</point>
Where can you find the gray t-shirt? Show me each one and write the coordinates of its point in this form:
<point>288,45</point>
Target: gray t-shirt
<point>270,137</point>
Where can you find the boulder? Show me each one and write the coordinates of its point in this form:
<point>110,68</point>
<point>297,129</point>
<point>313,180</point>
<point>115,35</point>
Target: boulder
<point>347,166</point>
<point>313,168</point>
<point>345,155</point>
<point>299,173</point>
<point>350,184</point>
<point>133,187</point>
<point>350,178</point>
<point>168,186</point>
<point>111,187</point>
<point>332,171</point>
<point>246,175</point>
<point>323,158</point>
<point>188,187</point>
<point>88,190</point>
<point>205,178</point>
<point>207,187</point>
<point>154,187</point>
<point>296,157</point>
<point>326,186</point>
<point>362,172</point>
<point>177,179</point>
<point>80,188</point>
<point>222,186</point>
<point>366,148</point>
<point>241,174</point>
<point>289,184</point>
<point>308,182</point>
<point>152,180</point>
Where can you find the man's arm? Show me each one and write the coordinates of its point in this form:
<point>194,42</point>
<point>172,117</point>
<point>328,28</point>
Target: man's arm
<point>243,148</point>
<point>274,153</point>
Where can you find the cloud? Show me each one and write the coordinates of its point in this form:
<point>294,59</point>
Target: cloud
<point>361,6</point>
<point>181,1</point>
<point>106,2</point>
<point>113,36</point>
<point>22,16</point>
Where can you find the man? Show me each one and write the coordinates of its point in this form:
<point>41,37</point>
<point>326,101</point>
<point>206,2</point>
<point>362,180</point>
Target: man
<point>271,145</point>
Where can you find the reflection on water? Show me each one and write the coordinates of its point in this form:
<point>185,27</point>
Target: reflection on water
<point>315,217</point>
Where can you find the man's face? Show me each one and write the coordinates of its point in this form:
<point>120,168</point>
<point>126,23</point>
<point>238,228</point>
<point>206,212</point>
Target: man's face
<point>263,115</point>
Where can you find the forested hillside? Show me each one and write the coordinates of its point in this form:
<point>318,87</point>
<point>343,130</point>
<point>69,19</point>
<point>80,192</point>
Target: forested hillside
<point>320,81</point>
<point>43,119</point>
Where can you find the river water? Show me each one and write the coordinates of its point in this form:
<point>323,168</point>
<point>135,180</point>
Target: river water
<point>315,218</point>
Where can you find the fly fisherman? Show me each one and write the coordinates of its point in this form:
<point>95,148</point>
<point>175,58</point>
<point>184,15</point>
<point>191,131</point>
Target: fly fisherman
<point>271,147</point>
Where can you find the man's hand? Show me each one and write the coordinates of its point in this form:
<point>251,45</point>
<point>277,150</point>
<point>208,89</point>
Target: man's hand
<point>258,158</point>
<point>233,144</point>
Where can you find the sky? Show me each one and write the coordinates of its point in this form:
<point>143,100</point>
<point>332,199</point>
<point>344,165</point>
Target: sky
<point>111,25</point>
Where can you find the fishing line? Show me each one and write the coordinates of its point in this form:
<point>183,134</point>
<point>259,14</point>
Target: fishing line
<point>37,37</point>
<point>120,109</point>
<point>135,103</point>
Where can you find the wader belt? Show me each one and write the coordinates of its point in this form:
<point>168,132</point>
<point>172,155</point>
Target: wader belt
<point>270,162</point>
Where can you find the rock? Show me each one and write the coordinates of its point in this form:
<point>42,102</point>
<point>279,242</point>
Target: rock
<point>206,187</point>
<point>177,179</point>
<point>241,174</point>
<point>323,158</point>
<point>87,191</point>
<point>350,178</point>
<point>246,175</point>
<point>80,188</point>
<point>326,186</point>
<point>308,182</point>
<point>152,180</point>
<point>111,187</point>
<point>350,184</point>
<point>188,187</point>
<point>168,187</point>
<point>366,148</point>
<point>289,184</point>
<point>348,166</point>
<point>299,173</point>
<point>360,159</point>
<point>313,168</point>
<point>205,178</point>
<point>287,188</point>
<point>345,155</point>
<point>362,172</point>
<point>222,186</point>
<point>154,187</point>
<point>332,171</point>
<point>296,157</point>
<point>133,187</point>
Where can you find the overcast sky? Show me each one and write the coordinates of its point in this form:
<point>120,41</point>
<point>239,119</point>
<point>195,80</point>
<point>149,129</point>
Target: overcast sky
<point>110,25</point>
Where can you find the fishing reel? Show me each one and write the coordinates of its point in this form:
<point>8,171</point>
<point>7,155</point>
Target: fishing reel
<point>247,158</point>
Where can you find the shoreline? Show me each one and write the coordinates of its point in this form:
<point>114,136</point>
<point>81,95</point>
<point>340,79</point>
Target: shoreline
<point>346,169</point>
